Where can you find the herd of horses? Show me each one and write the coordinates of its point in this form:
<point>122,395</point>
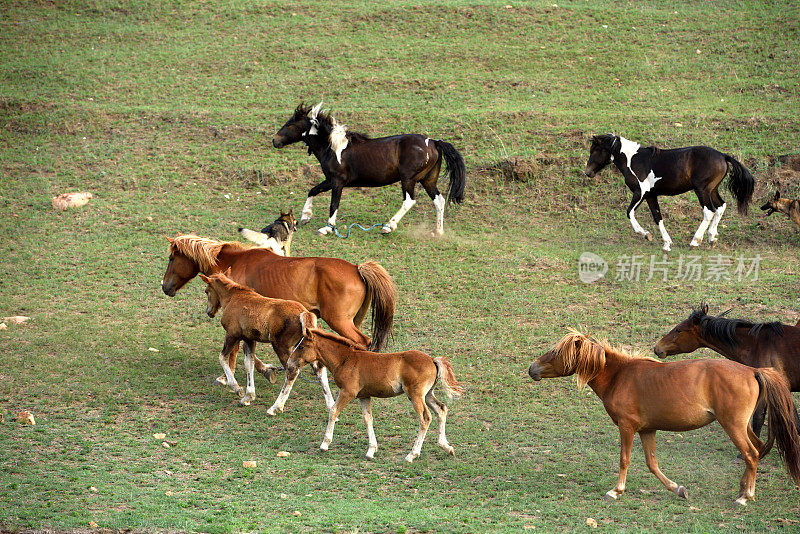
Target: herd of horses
<point>269,298</point>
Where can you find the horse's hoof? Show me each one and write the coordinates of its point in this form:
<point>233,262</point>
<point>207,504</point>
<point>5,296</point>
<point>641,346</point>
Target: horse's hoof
<point>410,458</point>
<point>610,496</point>
<point>741,501</point>
<point>271,411</point>
<point>681,491</point>
<point>386,229</point>
<point>324,447</point>
<point>648,236</point>
<point>370,455</point>
<point>667,247</point>
<point>269,373</point>
<point>451,451</point>
<point>221,381</point>
<point>695,243</point>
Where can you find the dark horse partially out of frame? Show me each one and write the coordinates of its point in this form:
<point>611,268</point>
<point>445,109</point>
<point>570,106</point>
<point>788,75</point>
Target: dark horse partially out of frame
<point>351,159</point>
<point>650,172</point>
<point>773,345</point>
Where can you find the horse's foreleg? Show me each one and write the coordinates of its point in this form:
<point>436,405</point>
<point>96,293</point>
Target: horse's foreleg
<point>336,197</point>
<point>314,191</point>
<point>230,346</point>
<point>222,380</point>
<point>637,199</point>
<point>366,411</point>
<point>341,401</point>
<point>322,376</point>
<point>649,446</point>
<point>424,422</point>
<point>626,442</point>
<point>655,210</point>
<point>249,366</point>
<point>408,203</point>
<point>440,409</point>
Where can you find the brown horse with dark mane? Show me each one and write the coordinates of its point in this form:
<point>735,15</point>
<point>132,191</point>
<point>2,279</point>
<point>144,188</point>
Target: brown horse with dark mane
<point>645,395</point>
<point>249,317</point>
<point>363,374</point>
<point>773,345</point>
<point>333,289</point>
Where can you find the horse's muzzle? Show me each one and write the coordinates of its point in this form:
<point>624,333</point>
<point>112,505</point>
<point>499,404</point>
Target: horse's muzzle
<point>276,142</point>
<point>589,172</point>
<point>168,290</point>
<point>661,353</point>
<point>535,372</point>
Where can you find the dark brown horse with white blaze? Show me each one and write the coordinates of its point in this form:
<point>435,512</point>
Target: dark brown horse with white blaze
<point>363,374</point>
<point>650,172</point>
<point>333,289</point>
<point>645,395</point>
<point>351,159</point>
<point>773,345</point>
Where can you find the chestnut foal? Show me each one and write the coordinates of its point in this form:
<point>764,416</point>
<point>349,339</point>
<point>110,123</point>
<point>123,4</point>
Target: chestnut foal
<point>250,317</point>
<point>644,395</point>
<point>362,374</point>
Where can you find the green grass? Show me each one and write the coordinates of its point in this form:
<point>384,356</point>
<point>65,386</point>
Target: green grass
<point>163,109</point>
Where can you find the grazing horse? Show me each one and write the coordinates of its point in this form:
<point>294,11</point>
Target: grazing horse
<point>250,317</point>
<point>773,345</point>
<point>351,159</point>
<point>645,395</point>
<point>363,374</point>
<point>650,172</point>
<point>333,289</point>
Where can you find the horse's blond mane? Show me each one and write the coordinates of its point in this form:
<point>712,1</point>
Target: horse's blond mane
<point>586,357</point>
<point>202,250</point>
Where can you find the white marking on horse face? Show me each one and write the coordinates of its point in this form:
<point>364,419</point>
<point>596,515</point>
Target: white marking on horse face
<point>313,130</point>
<point>338,140</point>
<point>629,148</point>
<point>427,140</point>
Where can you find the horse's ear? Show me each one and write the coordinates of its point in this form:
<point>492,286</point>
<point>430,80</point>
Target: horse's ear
<point>228,272</point>
<point>204,278</point>
<point>307,321</point>
<point>289,212</point>
<point>704,308</point>
<point>171,240</point>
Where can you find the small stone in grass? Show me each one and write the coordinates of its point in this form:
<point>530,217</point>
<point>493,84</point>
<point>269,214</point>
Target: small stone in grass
<point>168,493</point>
<point>16,319</point>
<point>283,454</point>
<point>297,513</point>
<point>591,522</point>
<point>25,417</point>
<point>92,489</point>
<point>92,524</point>
<point>284,496</point>
<point>249,464</point>
<point>152,349</point>
<point>159,435</point>
<point>3,326</point>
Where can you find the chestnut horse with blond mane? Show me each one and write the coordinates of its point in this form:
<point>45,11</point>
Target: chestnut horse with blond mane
<point>645,395</point>
<point>363,374</point>
<point>333,289</point>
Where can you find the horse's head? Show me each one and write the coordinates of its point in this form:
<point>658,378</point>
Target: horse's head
<point>685,337</point>
<point>213,302</point>
<point>302,123</point>
<point>180,270</point>
<point>772,205</point>
<point>574,354</point>
<point>601,153</point>
<point>305,351</point>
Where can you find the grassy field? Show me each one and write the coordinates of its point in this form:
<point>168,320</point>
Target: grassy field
<point>165,110</point>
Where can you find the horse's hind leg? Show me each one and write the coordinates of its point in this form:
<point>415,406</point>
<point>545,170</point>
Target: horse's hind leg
<point>231,344</point>
<point>655,210</point>
<point>649,446</point>
<point>439,202</point>
<point>738,432</point>
<point>366,411</point>
<point>249,366</point>
<point>626,442</point>
<point>718,212</point>
<point>424,422</point>
<point>408,203</point>
<point>708,214</point>
<point>440,409</point>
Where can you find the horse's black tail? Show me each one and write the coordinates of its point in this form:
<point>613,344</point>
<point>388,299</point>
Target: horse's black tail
<point>740,184</point>
<point>456,170</point>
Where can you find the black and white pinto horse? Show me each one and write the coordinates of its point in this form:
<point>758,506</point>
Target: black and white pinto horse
<point>650,172</point>
<point>351,159</point>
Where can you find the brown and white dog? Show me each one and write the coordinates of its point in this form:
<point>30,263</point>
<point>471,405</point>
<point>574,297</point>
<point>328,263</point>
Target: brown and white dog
<point>276,236</point>
<point>784,205</point>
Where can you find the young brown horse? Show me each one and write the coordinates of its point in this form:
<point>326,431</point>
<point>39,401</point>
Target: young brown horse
<point>351,159</point>
<point>644,395</point>
<point>650,172</point>
<point>773,345</point>
<point>335,290</point>
<point>363,374</point>
<point>250,317</point>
